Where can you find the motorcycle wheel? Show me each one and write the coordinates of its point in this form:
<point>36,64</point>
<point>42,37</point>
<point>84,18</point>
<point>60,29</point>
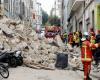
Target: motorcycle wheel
<point>13,62</point>
<point>4,72</point>
<point>20,62</point>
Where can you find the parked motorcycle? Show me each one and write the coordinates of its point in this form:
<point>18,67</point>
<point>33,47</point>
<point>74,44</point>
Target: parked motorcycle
<point>14,59</point>
<point>4,70</point>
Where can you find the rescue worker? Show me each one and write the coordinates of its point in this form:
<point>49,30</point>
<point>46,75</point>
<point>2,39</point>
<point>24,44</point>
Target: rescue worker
<point>65,37</point>
<point>74,38</point>
<point>77,39</point>
<point>91,31</point>
<point>80,37</point>
<point>97,51</point>
<point>92,37</point>
<point>93,40</point>
<point>86,54</point>
<point>70,38</point>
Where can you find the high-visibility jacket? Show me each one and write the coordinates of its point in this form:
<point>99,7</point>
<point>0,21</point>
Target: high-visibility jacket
<point>92,39</point>
<point>86,53</point>
<point>65,35</point>
<point>74,37</point>
<point>77,39</point>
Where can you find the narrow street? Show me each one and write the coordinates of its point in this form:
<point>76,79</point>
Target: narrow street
<point>39,36</point>
<point>25,73</point>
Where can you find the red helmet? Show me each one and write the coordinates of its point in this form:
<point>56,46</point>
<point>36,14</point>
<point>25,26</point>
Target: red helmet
<point>91,29</point>
<point>70,33</point>
<point>92,33</point>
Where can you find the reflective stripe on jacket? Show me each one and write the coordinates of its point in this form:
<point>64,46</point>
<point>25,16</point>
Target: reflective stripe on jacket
<point>86,53</point>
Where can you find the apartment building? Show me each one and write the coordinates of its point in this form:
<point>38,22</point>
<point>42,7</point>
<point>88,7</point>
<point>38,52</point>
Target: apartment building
<point>12,8</point>
<point>75,9</point>
<point>1,8</point>
<point>56,8</point>
<point>64,15</point>
<point>83,14</point>
<point>26,10</point>
<point>38,15</point>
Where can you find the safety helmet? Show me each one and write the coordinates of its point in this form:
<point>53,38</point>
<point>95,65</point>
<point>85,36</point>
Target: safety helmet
<point>77,32</point>
<point>85,34</point>
<point>83,39</point>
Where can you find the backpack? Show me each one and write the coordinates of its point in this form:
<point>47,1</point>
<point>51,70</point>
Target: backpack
<point>62,61</point>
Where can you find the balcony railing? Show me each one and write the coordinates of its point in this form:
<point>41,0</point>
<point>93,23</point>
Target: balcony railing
<point>76,4</point>
<point>73,5</point>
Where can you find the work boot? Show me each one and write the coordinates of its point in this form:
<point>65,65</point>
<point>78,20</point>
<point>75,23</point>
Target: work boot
<point>88,78</point>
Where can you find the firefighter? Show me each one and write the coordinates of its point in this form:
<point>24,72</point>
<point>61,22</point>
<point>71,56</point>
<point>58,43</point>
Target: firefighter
<point>97,51</point>
<point>80,37</point>
<point>70,38</point>
<point>92,37</point>
<point>74,38</point>
<point>77,39</point>
<point>91,31</point>
<point>86,55</point>
<point>65,37</point>
<point>93,40</point>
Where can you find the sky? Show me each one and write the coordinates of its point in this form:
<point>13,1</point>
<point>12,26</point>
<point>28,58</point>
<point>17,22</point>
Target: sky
<point>46,5</point>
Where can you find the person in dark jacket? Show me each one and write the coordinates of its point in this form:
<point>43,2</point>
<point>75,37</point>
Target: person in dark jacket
<point>97,53</point>
<point>80,37</point>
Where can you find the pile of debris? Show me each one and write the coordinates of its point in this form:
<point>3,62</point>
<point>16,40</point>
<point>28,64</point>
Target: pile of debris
<point>74,58</point>
<point>37,53</point>
<point>18,35</point>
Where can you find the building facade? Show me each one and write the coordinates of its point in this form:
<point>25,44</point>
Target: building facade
<point>64,15</point>
<point>1,8</point>
<point>38,20</point>
<point>83,15</point>
<point>26,10</point>
<point>56,8</point>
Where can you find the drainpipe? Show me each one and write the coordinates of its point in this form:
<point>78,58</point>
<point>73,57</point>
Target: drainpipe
<point>84,25</point>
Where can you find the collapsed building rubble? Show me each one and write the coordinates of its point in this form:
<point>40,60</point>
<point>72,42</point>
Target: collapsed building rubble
<point>38,54</point>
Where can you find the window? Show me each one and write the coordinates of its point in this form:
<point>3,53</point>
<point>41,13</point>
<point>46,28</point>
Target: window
<point>80,26</point>
<point>87,2</point>
<point>93,19</point>
<point>88,24</point>
<point>5,1</point>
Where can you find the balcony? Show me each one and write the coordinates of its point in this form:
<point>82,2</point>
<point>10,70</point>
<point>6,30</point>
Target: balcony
<point>73,6</point>
<point>76,4</point>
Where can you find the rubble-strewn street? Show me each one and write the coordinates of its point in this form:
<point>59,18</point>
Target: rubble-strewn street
<point>49,39</point>
<point>38,53</point>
